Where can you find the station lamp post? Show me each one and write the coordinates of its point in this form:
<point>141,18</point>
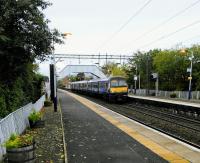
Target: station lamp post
<point>135,78</point>
<point>190,77</point>
<point>190,71</point>
<point>53,74</point>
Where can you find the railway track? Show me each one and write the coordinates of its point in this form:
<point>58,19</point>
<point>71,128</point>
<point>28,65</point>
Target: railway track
<point>179,120</point>
<point>177,126</point>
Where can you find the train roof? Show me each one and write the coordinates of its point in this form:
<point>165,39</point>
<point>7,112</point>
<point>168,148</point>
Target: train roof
<point>83,81</point>
<point>97,80</point>
<point>113,77</point>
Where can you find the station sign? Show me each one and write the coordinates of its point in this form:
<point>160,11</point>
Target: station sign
<point>135,77</point>
<point>188,69</point>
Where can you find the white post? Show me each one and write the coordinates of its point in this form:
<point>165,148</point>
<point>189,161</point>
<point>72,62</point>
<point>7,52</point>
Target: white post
<point>139,81</point>
<point>190,78</point>
<point>157,81</point>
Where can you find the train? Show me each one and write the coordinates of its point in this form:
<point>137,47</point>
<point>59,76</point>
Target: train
<point>111,89</point>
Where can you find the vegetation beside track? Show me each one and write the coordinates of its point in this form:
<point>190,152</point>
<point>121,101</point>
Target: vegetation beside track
<point>171,66</point>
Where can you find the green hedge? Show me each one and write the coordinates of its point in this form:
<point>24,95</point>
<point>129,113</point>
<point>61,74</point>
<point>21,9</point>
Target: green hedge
<point>20,92</point>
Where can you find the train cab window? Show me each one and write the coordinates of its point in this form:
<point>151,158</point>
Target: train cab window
<point>122,83</point>
<point>118,83</point>
<point>114,83</point>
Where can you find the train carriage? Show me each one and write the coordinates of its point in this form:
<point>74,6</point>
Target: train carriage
<point>112,88</point>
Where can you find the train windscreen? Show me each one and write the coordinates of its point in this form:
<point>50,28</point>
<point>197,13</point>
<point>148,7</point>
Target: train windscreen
<point>118,83</point>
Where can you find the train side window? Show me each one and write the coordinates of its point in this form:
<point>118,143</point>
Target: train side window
<point>106,85</point>
<point>122,83</point>
<point>101,84</point>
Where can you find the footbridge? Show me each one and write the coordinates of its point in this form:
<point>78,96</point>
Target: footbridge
<point>90,70</point>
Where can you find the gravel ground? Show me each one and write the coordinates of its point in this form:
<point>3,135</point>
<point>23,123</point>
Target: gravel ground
<point>49,138</point>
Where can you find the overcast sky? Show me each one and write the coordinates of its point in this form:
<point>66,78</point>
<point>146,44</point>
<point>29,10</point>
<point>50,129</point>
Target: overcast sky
<point>118,26</point>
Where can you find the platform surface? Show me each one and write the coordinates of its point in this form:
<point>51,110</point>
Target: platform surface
<point>96,134</point>
<point>170,101</point>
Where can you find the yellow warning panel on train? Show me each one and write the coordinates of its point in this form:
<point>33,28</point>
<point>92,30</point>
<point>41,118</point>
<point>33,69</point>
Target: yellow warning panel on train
<point>118,90</point>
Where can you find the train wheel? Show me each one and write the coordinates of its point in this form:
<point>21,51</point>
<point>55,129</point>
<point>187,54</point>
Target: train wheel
<point>125,98</point>
<point>110,99</point>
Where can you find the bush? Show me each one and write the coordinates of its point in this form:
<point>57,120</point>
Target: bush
<point>47,103</point>
<point>173,95</point>
<point>16,141</point>
<point>3,110</point>
<point>20,90</point>
<point>34,116</point>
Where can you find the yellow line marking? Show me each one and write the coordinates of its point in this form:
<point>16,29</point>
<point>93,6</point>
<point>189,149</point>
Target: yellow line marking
<point>179,161</point>
<point>63,133</point>
<point>156,148</point>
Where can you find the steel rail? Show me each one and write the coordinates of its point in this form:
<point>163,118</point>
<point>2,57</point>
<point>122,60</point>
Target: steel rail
<point>158,117</point>
<point>156,128</point>
<point>163,131</point>
<point>166,114</point>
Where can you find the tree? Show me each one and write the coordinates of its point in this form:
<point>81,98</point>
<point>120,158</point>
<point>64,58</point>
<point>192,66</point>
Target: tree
<point>80,76</point>
<point>141,64</point>
<point>113,69</point>
<point>171,67</point>
<point>195,49</point>
<point>24,37</point>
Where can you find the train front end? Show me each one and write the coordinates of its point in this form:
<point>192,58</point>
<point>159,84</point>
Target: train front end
<point>118,90</point>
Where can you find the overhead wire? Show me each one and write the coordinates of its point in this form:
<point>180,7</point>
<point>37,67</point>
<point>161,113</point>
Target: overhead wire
<point>170,34</point>
<point>124,25</point>
<point>180,43</point>
<point>191,38</point>
<point>165,21</point>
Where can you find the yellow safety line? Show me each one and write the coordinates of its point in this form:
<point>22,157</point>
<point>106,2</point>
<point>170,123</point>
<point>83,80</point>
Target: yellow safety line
<point>156,148</point>
<point>63,133</point>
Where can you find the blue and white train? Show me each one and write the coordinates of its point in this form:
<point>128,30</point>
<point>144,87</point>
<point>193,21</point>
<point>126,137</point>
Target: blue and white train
<point>112,88</point>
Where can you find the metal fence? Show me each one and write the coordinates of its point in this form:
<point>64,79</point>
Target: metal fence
<point>47,89</point>
<point>17,122</point>
<point>179,94</point>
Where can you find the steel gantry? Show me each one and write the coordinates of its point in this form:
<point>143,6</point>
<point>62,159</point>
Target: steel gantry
<point>98,57</point>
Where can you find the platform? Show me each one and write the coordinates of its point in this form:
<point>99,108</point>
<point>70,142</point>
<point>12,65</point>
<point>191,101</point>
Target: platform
<point>96,134</point>
<point>167,101</point>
